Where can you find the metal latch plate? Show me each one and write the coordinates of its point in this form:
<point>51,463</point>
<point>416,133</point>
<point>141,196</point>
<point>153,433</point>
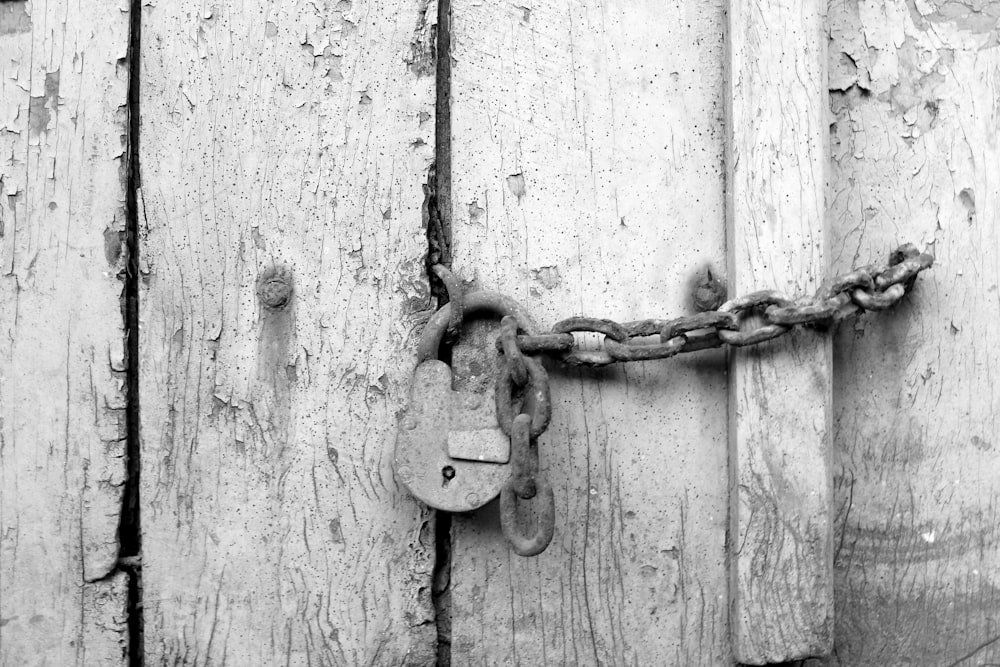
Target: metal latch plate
<point>484,445</point>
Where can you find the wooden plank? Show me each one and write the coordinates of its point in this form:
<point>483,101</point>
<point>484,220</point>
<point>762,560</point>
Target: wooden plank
<point>587,169</point>
<point>780,393</point>
<point>283,141</point>
<point>63,88</point>
<point>916,402</point>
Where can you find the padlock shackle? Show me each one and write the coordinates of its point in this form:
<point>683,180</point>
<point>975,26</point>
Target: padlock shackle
<point>476,303</point>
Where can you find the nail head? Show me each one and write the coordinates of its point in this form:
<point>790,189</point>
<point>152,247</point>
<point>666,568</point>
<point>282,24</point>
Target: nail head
<point>275,287</point>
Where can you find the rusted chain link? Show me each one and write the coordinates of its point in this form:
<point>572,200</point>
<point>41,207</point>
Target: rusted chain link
<point>873,287</point>
<point>524,408</point>
<point>526,483</point>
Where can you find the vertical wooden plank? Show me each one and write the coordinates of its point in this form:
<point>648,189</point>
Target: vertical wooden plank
<point>63,87</point>
<point>588,178</point>
<point>780,394</point>
<point>285,145</point>
<point>916,101</point>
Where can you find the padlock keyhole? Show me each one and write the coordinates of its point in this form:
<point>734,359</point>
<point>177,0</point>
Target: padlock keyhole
<point>448,474</point>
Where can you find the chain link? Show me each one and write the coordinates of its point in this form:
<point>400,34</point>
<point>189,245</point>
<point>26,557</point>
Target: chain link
<point>874,287</point>
<point>525,484</point>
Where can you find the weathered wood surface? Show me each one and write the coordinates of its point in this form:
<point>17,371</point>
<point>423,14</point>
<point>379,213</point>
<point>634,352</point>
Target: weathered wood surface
<point>63,87</point>
<point>292,136</point>
<point>588,178</point>
<point>915,90</point>
<point>780,392</point>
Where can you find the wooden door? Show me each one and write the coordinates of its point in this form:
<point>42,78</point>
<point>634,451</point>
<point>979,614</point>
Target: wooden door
<point>213,260</point>
<point>914,144</point>
<point>63,399</point>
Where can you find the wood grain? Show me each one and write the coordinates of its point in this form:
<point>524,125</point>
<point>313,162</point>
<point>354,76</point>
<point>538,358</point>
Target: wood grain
<point>288,140</point>
<point>588,178</point>
<point>63,86</point>
<point>916,102</point>
<point>780,392</point>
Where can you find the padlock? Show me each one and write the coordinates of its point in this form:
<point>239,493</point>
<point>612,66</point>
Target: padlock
<point>450,450</point>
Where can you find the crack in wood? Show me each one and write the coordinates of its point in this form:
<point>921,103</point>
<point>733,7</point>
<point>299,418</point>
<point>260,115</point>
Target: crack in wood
<point>130,527</point>
<point>438,211</point>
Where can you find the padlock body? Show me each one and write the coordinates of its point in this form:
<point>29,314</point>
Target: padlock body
<point>450,451</point>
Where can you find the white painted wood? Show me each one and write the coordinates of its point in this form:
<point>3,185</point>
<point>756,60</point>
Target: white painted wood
<point>780,393</point>
<point>63,84</point>
<point>916,101</point>
<point>294,135</point>
<point>588,178</point>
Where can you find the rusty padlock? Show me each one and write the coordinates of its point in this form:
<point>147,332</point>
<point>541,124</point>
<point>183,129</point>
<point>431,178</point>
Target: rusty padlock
<point>450,451</point>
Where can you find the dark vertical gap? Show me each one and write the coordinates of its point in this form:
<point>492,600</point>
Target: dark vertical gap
<point>441,587</point>
<point>439,223</point>
<point>439,252</point>
<point>442,123</point>
<point>130,528</point>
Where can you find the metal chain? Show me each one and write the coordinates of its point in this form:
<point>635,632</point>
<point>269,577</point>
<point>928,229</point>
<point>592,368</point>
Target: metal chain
<point>523,403</point>
<point>873,287</point>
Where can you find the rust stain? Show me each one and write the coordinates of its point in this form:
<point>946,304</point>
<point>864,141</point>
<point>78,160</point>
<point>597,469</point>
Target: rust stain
<point>276,330</point>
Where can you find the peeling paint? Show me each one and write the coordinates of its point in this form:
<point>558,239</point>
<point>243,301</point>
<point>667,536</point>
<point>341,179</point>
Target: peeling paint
<point>516,184</point>
<point>475,212</point>
<point>973,16</point>
<point>423,47</point>
<point>334,68</point>
<point>915,83</point>
<point>967,197</point>
<point>14,18</point>
<point>40,107</point>
<point>548,276</point>
<point>258,240</point>
<point>113,241</point>
<point>336,532</point>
